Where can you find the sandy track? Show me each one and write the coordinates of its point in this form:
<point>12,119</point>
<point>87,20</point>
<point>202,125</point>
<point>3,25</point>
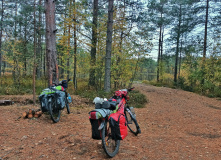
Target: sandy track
<point>175,125</point>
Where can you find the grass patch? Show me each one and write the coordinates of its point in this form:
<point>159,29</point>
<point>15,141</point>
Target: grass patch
<point>25,86</point>
<point>7,87</point>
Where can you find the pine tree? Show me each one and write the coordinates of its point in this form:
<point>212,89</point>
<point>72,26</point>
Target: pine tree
<point>107,81</point>
<point>94,44</point>
<point>52,65</point>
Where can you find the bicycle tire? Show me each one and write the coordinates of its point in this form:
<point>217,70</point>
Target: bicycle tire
<point>111,146</point>
<point>132,123</point>
<point>53,110</point>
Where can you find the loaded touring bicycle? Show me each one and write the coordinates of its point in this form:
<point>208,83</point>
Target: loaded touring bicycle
<point>54,99</point>
<point>110,120</point>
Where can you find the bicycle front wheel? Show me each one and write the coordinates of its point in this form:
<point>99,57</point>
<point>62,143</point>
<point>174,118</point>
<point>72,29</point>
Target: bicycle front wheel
<point>110,145</point>
<point>68,108</point>
<point>132,123</point>
<point>53,109</point>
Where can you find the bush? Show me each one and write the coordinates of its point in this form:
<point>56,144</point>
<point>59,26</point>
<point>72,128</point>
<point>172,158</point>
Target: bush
<point>137,99</point>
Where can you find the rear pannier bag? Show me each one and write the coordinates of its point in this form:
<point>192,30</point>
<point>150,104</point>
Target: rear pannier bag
<point>44,102</point>
<point>118,126</point>
<point>43,98</point>
<point>95,123</point>
<point>61,97</point>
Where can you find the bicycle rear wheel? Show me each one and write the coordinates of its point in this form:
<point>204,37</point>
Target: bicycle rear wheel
<point>132,123</point>
<point>111,146</point>
<point>53,109</point>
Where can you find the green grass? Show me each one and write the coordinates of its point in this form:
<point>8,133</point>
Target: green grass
<point>24,86</point>
<point>210,90</point>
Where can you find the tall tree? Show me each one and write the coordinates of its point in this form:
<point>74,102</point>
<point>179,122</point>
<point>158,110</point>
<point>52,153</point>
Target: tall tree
<point>1,29</point>
<point>34,58</point>
<point>205,43</point>
<point>39,41</point>
<point>75,47</point>
<point>94,44</point>
<point>52,65</point>
<point>177,43</point>
<point>69,39</point>
<point>158,15</point>
<point>160,46</point>
<point>107,80</point>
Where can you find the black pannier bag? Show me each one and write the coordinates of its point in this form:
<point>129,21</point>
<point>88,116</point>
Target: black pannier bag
<point>60,97</point>
<point>44,102</point>
<point>95,123</point>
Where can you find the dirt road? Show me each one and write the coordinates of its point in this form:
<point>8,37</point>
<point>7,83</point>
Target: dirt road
<point>175,125</point>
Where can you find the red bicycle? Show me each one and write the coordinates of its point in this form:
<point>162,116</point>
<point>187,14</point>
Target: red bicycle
<point>109,130</point>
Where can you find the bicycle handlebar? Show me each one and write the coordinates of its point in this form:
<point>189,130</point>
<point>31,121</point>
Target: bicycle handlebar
<point>130,89</point>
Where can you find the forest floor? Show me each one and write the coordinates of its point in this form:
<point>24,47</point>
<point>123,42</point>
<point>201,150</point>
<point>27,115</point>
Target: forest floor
<point>175,125</point>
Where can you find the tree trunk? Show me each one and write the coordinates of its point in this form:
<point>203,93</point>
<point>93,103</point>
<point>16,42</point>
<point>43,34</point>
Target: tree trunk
<point>161,55</point>
<point>25,49</point>
<point>14,56</point>
<point>2,14</point>
<point>119,71</point>
<point>51,54</point>
<point>69,41</point>
<point>107,80</point>
<point>177,47</point>
<point>75,48</point>
<point>68,49</point>
<point>180,58</point>
<point>94,44</point>
<point>34,58</point>
<point>205,43</point>
<point>39,53</point>
<point>158,59</point>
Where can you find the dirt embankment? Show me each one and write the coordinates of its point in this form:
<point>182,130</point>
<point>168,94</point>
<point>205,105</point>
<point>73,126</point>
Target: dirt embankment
<point>175,125</point>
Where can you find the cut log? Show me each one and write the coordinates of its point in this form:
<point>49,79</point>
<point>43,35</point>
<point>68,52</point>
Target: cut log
<point>25,114</point>
<point>40,112</point>
<point>5,102</point>
<point>30,111</point>
<point>36,115</point>
<point>30,115</point>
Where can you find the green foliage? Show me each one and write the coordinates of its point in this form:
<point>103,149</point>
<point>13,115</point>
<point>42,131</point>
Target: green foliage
<point>7,86</point>
<point>137,99</point>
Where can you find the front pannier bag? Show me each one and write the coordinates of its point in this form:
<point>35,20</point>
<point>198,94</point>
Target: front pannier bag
<point>118,125</point>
